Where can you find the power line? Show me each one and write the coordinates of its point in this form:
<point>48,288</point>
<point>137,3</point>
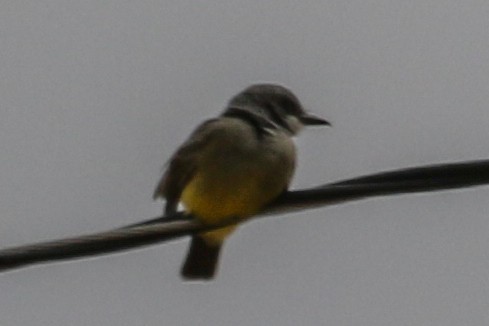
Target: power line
<point>162,229</point>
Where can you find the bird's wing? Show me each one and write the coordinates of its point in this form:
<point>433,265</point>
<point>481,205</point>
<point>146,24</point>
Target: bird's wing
<point>182,166</point>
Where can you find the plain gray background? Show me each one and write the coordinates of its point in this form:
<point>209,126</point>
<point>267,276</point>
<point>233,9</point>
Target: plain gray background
<point>95,96</point>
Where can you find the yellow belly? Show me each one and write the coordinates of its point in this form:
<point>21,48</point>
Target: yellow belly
<point>212,199</point>
<point>237,174</point>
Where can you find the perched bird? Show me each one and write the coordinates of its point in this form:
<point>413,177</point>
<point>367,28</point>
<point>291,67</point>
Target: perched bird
<point>232,166</point>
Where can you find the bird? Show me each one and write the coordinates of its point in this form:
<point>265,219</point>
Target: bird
<point>232,166</point>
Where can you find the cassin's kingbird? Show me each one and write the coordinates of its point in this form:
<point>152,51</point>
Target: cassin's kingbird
<point>232,166</point>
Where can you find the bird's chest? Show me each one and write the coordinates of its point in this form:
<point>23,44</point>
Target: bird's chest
<point>235,183</point>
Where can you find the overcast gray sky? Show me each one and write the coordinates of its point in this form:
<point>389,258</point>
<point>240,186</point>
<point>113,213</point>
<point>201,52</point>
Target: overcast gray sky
<point>95,96</point>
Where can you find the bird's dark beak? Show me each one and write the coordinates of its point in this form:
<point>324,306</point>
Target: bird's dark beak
<point>312,120</point>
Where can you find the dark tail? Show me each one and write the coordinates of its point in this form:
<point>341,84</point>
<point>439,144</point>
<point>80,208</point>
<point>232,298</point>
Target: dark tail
<point>201,261</point>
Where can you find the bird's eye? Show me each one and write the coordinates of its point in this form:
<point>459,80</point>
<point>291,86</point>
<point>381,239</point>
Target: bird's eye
<point>288,107</point>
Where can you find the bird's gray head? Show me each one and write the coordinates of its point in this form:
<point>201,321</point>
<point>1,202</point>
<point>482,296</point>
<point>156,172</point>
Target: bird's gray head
<point>274,103</point>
